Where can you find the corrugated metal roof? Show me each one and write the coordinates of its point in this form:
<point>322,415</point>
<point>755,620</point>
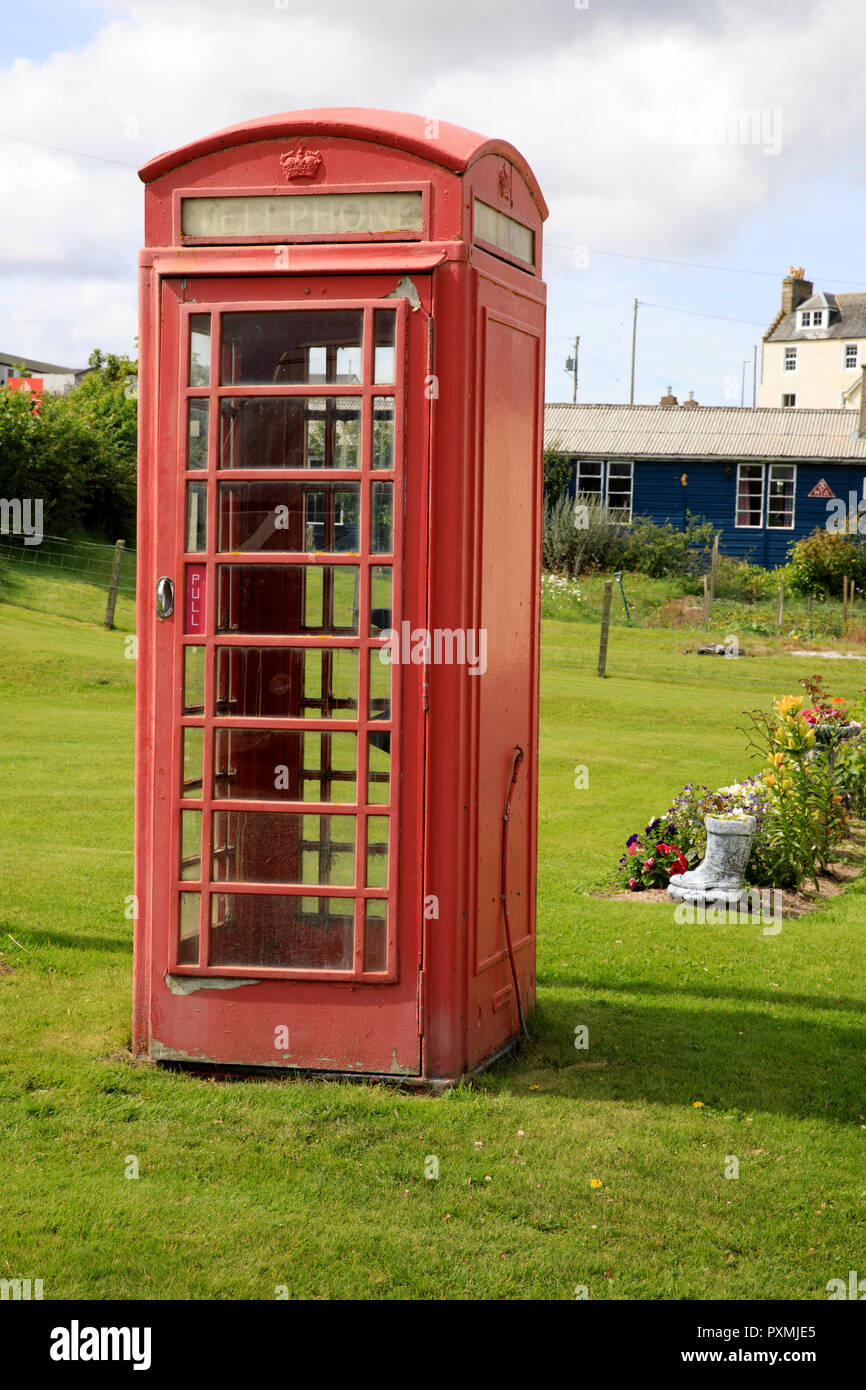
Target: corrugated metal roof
<point>723,431</point>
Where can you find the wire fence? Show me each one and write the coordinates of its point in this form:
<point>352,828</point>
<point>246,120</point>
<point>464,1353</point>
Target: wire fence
<point>86,580</point>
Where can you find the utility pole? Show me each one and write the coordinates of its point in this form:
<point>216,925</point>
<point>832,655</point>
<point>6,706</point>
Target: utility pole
<point>633,343</point>
<point>571,366</point>
<point>743,384</point>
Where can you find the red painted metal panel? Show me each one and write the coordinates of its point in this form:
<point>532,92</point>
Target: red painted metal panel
<point>196,599</point>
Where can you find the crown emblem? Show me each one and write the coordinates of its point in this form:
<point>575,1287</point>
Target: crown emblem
<point>505,183</point>
<point>301,163</point>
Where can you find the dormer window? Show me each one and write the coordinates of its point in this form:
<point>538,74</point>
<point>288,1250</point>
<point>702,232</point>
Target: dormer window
<point>817,318</point>
<point>811,318</point>
<point>806,318</point>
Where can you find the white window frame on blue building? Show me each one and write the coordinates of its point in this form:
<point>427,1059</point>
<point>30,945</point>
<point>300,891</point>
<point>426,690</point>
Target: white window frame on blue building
<point>777,501</point>
<point>610,482</point>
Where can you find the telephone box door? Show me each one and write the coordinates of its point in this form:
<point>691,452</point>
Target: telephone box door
<point>291,539</point>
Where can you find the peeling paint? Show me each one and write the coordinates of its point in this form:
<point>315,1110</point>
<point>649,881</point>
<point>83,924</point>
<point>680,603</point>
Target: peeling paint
<point>397,1069</point>
<point>405,289</point>
<point>189,984</point>
<point>160,1053</point>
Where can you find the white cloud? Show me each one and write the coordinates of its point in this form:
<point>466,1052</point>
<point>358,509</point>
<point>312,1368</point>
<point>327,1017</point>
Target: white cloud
<point>591,97</point>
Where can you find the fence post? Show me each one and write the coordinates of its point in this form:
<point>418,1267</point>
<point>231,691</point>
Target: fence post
<point>708,604</point>
<point>715,565</point>
<point>605,626</point>
<point>781,601</point>
<point>844,601</point>
<point>113,583</point>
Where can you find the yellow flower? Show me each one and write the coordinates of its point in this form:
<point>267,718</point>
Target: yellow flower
<point>697,1104</point>
<point>788,703</point>
<point>770,779</point>
<point>596,1182</point>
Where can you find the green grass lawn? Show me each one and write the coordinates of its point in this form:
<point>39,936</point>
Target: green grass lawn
<point>320,1187</point>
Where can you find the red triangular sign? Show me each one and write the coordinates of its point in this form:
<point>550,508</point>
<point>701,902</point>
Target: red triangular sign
<point>822,489</point>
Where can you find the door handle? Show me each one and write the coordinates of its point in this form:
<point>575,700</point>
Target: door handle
<point>164,597</point>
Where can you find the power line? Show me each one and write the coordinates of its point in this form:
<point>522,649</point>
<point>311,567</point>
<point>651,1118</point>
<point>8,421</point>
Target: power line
<point>60,149</point>
<point>695,313</point>
<point>697,265</point>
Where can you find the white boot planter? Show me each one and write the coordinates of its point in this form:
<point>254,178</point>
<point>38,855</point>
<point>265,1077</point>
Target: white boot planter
<point>718,879</point>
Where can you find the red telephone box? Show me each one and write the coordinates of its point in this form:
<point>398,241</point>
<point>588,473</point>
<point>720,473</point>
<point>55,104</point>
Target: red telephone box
<point>341,404</point>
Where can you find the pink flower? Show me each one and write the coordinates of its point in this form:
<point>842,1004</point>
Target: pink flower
<point>632,883</point>
<point>648,863</point>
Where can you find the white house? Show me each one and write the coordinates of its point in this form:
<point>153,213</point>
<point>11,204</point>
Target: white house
<point>814,351</point>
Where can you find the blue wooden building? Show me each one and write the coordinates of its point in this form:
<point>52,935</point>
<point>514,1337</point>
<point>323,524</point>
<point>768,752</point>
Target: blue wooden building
<point>763,476</point>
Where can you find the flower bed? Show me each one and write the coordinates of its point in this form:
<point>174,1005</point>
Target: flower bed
<point>802,802</point>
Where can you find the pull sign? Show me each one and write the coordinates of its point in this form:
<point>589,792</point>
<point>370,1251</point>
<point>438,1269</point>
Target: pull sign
<point>196,589</point>
<point>164,597</point>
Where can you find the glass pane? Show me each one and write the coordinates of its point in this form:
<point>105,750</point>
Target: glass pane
<point>196,518</point>
<point>380,599</point>
<point>287,682</point>
<point>287,516</point>
<point>379,768</point>
<point>382,519</point>
<point>383,432</point>
<point>193,763</point>
<point>199,350</point>
<point>188,925</point>
<point>288,600</point>
<point>377,851</point>
<point>780,501</point>
<point>750,490</point>
<point>376,935</point>
<point>284,765</point>
<point>193,680</point>
<point>380,684</point>
<point>384,329</point>
<point>278,930</point>
<point>290,432</point>
<point>268,847</point>
<point>197,434</point>
<point>190,844</point>
<point>319,346</point>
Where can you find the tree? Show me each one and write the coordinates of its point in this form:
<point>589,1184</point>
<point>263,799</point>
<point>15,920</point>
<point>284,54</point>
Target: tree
<point>76,452</point>
<point>558,472</point>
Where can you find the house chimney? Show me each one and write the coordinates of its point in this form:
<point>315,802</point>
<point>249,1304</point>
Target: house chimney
<point>691,403</point>
<point>861,422</point>
<point>795,290</point>
<point>669,399</point>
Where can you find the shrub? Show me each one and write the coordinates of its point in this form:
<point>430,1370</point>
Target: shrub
<point>818,563</point>
<point>558,473</point>
<point>660,550</point>
<point>742,582</point>
<point>76,452</point>
<point>574,541</point>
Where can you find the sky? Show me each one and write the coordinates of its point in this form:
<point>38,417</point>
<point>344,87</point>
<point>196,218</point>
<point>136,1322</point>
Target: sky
<point>690,152</point>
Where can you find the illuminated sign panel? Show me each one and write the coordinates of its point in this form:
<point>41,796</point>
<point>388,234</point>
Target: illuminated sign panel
<point>493,226</point>
<point>302,214</point>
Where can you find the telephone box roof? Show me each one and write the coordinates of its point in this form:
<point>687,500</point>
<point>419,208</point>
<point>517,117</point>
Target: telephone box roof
<point>454,147</point>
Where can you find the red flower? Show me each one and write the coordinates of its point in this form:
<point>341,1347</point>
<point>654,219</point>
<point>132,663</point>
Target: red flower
<point>680,863</point>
